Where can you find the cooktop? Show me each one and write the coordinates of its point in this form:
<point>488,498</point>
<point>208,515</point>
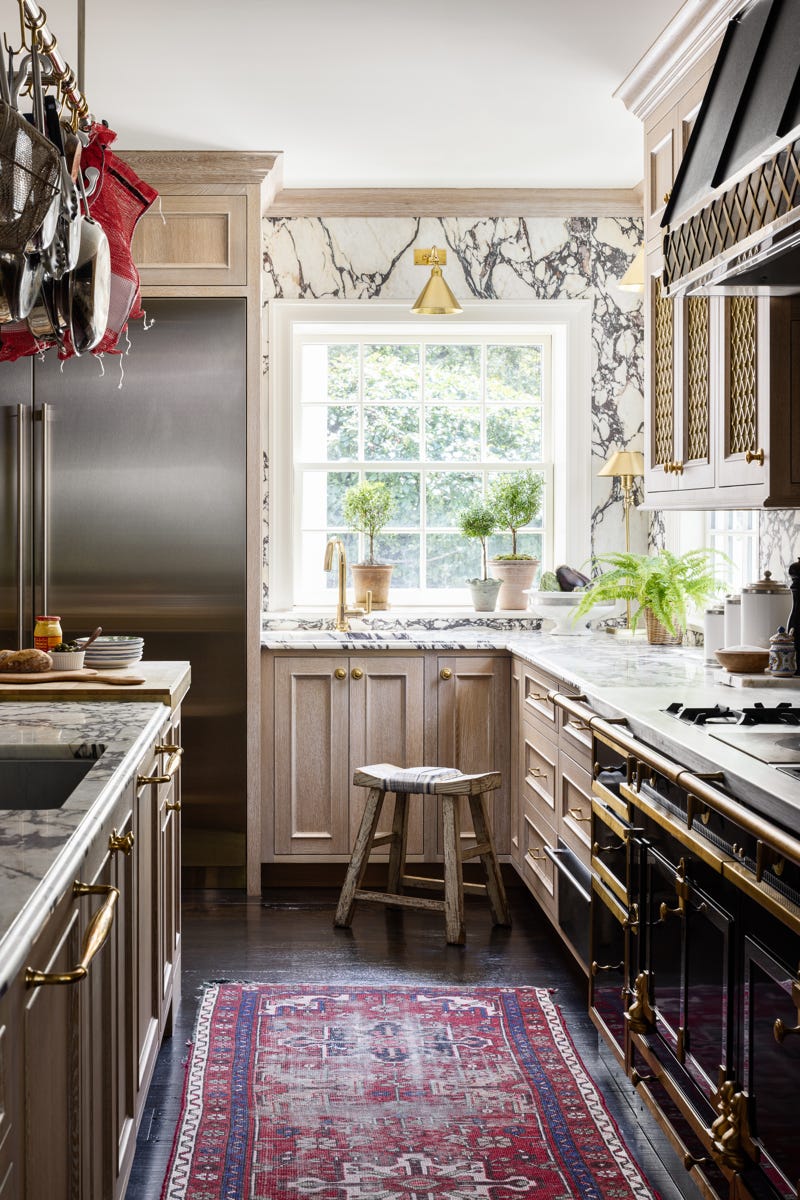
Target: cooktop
<point>769,746</point>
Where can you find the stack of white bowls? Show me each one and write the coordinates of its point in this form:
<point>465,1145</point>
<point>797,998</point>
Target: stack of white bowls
<point>109,652</point>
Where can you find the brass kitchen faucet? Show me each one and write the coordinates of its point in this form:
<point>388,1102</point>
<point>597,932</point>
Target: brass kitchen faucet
<point>342,611</point>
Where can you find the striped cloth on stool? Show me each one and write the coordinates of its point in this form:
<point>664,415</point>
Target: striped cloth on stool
<point>408,779</point>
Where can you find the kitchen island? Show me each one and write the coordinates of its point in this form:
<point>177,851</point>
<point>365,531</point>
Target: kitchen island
<point>89,931</point>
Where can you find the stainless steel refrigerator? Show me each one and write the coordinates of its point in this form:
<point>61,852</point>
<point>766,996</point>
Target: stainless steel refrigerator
<point>125,507</point>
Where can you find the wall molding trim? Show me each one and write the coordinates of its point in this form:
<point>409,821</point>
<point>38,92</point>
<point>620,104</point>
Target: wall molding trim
<point>208,167</point>
<point>457,202</point>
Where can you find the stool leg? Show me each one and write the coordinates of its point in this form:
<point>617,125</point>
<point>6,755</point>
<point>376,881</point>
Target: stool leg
<point>495,891</point>
<point>453,879</point>
<point>359,858</point>
<point>397,855</point>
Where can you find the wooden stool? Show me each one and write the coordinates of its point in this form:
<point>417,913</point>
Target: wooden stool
<point>449,785</point>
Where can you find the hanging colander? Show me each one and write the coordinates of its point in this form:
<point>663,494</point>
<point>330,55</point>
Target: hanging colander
<point>29,181</point>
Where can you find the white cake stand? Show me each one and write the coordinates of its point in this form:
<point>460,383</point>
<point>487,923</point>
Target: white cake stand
<point>560,607</point>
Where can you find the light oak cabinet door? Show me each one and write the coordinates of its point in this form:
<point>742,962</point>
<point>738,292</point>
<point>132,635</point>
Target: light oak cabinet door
<point>472,730</point>
<point>193,240</point>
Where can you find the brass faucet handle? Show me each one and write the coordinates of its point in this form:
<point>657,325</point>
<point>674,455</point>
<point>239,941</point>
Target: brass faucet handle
<point>368,595</point>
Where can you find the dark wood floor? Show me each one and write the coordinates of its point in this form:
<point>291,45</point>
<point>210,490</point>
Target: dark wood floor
<point>289,936</point>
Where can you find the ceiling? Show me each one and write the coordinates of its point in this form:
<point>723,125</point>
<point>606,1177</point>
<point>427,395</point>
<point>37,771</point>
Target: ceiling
<point>368,93</point>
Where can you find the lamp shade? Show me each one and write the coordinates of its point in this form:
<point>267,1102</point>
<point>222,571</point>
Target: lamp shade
<point>436,299</point>
<point>624,462</point>
<point>633,279</point>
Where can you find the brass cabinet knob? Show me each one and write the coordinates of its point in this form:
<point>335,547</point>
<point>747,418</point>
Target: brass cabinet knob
<point>120,841</point>
<point>445,673</point>
<point>173,807</point>
<point>340,673</point>
<point>357,673</point>
<point>754,456</point>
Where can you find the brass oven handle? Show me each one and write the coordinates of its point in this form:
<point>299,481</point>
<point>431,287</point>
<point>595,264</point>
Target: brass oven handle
<point>689,1161</point>
<point>782,1031</point>
<point>121,841</point>
<point>606,847</point>
<point>97,931</point>
<point>577,814</point>
<point>665,911</point>
<point>598,967</point>
<point>173,762</point>
<point>632,919</point>
<point>754,456</point>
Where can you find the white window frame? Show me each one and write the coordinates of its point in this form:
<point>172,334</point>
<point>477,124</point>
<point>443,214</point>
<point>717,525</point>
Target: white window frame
<point>566,322</point>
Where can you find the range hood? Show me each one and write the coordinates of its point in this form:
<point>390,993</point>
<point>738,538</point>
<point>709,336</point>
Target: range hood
<point>743,160</point>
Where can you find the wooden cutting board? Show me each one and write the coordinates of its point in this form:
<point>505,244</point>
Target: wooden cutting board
<point>85,675</point>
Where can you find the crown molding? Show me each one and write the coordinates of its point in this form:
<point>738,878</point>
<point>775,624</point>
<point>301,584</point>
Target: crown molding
<point>224,167</point>
<point>694,31</point>
<point>457,202</point>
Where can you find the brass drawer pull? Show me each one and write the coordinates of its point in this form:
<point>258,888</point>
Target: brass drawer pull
<point>173,762</point>
<point>782,1031</point>
<point>121,841</point>
<point>690,1161</point>
<point>606,847</point>
<point>535,773</point>
<point>754,456</point>
<point>577,814</point>
<point>541,696</point>
<point>173,807</point>
<point>97,931</point>
<point>357,673</point>
<point>445,673</point>
<point>536,854</point>
<point>637,1078</point>
<point>598,967</point>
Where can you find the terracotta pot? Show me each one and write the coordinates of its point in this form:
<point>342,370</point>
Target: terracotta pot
<point>375,578</point>
<point>516,575</point>
<point>658,634</point>
<point>484,594</point>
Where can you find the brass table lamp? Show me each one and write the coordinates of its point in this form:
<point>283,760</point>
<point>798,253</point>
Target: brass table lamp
<point>625,465</point>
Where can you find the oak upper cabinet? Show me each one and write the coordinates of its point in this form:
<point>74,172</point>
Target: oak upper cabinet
<point>470,698</point>
<point>331,715</point>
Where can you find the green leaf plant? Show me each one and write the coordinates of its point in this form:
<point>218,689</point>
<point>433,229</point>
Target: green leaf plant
<point>515,499</point>
<point>368,507</point>
<point>478,521</point>
<point>667,584</point>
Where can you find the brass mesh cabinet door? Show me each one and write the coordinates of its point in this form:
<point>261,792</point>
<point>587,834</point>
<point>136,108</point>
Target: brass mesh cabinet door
<point>660,398</point>
<point>745,390</point>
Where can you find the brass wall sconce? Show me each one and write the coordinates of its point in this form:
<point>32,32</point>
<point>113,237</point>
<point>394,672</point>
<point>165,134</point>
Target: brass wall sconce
<point>625,465</point>
<point>633,279</point>
<point>435,299</point>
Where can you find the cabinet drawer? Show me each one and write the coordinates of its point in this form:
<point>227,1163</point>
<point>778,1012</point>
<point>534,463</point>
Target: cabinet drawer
<point>538,870</point>
<point>575,807</point>
<point>535,705</point>
<point>575,737</point>
<point>538,768</point>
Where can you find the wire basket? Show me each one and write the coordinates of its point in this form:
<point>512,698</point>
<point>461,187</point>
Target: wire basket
<point>29,180</point>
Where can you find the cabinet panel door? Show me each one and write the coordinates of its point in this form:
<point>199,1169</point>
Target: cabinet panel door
<point>148,989</point>
<point>745,387</point>
<point>386,725</point>
<point>473,732</point>
<point>193,240</point>
<point>312,783</point>
<point>660,402</point>
<point>695,345</point>
<point>661,160</point>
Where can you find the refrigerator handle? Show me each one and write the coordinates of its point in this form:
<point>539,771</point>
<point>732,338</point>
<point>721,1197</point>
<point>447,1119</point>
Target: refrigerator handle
<point>22,487</point>
<point>45,526</point>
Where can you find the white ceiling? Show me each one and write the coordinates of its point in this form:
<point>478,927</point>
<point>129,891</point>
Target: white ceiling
<point>375,93</point>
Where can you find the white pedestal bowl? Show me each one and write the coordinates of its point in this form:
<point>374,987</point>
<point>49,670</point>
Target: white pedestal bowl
<point>560,607</point>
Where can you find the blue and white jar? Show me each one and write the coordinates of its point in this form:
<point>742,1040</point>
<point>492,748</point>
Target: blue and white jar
<point>782,656</point>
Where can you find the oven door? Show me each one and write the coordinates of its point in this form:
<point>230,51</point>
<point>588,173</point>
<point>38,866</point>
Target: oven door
<point>574,898</point>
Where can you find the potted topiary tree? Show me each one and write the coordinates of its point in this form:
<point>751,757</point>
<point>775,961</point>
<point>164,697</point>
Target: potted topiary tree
<point>661,585</point>
<point>368,507</point>
<point>515,499</point>
<point>478,521</point>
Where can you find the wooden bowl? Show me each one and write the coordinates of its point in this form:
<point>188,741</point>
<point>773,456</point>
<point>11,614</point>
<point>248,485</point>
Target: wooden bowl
<point>744,660</point>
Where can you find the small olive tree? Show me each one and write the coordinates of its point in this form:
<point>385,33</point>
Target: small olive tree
<point>478,521</point>
<point>515,499</point>
<point>368,507</point>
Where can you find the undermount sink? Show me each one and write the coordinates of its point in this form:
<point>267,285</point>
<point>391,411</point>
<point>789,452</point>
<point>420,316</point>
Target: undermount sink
<point>43,777</point>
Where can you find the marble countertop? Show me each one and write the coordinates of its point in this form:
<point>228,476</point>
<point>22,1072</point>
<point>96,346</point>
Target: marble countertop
<point>41,850</point>
<point>620,677</point>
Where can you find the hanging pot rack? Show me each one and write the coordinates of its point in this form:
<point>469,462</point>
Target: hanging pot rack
<point>33,18</point>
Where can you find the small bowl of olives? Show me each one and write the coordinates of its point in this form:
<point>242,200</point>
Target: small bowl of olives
<point>67,656</point>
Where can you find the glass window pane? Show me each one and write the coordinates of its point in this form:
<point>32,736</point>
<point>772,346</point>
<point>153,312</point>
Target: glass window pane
<point>342,372</point>
<point>323,497</point>
<point>392,373</point>
<point>513,373</point>
<point>527,543</point>
<point>453,373</point>
<point>402,549</point>
<point>391,434</point>
<point>514,434</point>
<point>451,560</point>
<point>452,434</point>
<point>405,488</point>
<point>342,430</point>
<point>447,493</point>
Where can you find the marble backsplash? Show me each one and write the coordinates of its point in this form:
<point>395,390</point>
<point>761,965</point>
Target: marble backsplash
<point>778,541</point>
<point>540,258</point>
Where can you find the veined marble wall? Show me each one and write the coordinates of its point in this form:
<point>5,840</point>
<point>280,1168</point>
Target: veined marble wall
<point>778,540</point>
<point>538,258</point>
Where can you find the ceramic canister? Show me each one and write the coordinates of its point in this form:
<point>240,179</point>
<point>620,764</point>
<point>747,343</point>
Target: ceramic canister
<point>765,605</point>
<point>733,620</point>
<point>713,632</point>
<point>782,656</point>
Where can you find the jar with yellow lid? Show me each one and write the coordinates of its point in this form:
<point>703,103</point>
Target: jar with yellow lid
<point>47,633</point>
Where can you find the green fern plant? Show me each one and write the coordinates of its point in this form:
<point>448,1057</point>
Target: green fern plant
<point>667,584</point>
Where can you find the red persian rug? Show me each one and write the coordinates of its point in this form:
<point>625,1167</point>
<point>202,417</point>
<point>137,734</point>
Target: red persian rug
<point>341,1093</point>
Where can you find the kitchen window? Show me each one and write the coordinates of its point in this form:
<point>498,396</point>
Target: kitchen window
<point>435,411</point>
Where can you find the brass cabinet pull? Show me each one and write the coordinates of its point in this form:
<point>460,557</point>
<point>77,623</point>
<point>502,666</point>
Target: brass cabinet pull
<point>97,931</point>
<point>606,847</point>
<point>535,773</point>
<point>782,1031</point>
<point>597,967</point>
<point>357,673</point>
<point>536,854</point>
<point>754,456</point>
<point>445,673</point>
<point>637,1078</point>
<point>632,920</point>
<point>174,806</point>
<point>173,762</point>
<point>690,1161</point>
<point>577,814</point>
<point>538,696</point>
<point>665,911</point>
<point>340,673</point>
<point>121,841</point>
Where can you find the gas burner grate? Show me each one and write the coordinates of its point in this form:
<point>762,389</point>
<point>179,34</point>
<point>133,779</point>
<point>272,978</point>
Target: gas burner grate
<point>717,714</point>
<point>784,713</point>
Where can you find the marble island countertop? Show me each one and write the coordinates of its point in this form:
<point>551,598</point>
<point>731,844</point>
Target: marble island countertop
<point>41,849</point>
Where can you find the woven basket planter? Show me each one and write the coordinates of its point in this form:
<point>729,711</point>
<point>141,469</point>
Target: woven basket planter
<point>658,634</point>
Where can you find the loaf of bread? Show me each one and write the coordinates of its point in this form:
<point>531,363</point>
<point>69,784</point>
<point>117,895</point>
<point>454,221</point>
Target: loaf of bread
<point>25,662</point>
